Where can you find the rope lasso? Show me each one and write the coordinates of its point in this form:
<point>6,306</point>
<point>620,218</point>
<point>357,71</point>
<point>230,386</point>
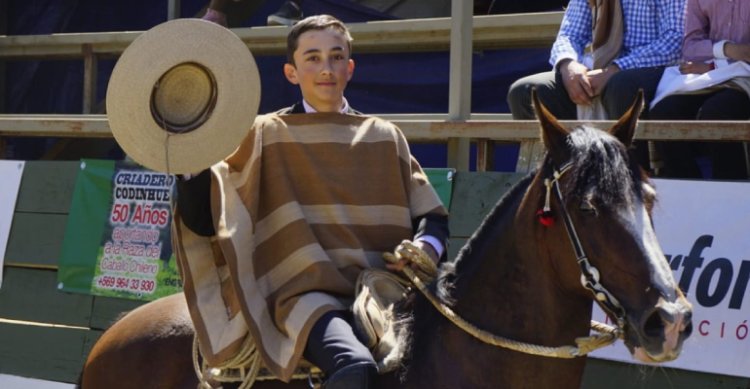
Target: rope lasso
<point>584,345</point>
<point>243,367</point>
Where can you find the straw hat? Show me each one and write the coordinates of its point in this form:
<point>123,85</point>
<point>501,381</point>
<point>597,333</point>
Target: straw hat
<point>183,95</point>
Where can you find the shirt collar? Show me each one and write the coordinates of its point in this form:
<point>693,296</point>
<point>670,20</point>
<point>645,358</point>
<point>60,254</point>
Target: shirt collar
<point>309,108</point>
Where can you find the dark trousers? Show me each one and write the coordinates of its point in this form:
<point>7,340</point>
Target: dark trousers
<point>332,344</point>
<point>618,95</point>
<point>718,160</point>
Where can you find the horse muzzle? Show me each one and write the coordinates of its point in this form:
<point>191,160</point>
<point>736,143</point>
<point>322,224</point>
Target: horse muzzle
<point>661,332</point>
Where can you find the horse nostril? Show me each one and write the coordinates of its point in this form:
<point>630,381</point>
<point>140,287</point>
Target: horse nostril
<point>688,324</point>
<point>688,329</point>
<point>654,325</point>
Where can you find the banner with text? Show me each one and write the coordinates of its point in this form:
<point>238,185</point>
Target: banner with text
<point>117,240</point>
<point>11,172</point>
<point>703,228</point>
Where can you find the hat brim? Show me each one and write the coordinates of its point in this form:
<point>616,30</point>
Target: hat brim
<point>150,56</point>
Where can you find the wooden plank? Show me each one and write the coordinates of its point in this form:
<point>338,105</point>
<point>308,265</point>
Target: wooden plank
<point>32,295</point>
<point>35,239</point>
<point>74,126</point>
<point>530,155</point>
<point>602,373</point>
<point>430,130</point>
<point>47,186</point>
<point>48,353</point>
<point>479,192</point>
<point>409,35</point>
<point>108,309</point>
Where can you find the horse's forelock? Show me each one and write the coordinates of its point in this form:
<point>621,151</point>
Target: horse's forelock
<point>602,168</point>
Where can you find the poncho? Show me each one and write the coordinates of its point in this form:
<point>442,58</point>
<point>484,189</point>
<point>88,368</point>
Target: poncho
<point>300,208</point>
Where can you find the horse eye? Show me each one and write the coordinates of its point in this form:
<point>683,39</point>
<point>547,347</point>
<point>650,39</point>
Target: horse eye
<point>588,208</point>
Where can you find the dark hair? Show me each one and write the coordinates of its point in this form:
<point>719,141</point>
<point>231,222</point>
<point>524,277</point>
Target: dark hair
<point>316,22</point>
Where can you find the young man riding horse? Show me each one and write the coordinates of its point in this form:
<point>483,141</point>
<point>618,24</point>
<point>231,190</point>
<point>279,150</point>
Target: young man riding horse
<point>308,225</point>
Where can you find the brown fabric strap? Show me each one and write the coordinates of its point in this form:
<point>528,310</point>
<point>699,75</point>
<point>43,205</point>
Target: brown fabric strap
<point>607,31</point>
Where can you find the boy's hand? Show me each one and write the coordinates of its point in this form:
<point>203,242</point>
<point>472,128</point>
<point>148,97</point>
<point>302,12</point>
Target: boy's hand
<point>422,261</point>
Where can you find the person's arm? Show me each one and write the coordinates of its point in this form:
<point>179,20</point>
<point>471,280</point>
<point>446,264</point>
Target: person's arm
<point>737,51</point>
<point>665,47</point>
<point>697,46</point>
<point>567,51</point>
<point>432,235</point>
<point>574,33</point>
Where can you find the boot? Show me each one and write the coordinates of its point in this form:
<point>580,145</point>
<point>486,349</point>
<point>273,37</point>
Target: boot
<point>359,376</point>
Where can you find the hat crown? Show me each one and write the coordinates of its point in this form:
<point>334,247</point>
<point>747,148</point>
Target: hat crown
<point>183,98</point>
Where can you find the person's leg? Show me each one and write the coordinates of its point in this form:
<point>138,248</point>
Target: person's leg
<point>289,13</point>
<point>680,157</point>
<point>727,158</point>
<point>551,92</point>
<point>620,92</point>
<point>333,346</point>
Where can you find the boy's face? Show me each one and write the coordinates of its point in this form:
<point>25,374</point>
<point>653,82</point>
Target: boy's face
<point>321,68</point>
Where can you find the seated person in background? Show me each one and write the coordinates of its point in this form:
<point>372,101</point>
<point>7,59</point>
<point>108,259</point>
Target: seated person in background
<point>717,34</point>
<point>630,48</point>
<point>311,223</point>
<point>289,13</point>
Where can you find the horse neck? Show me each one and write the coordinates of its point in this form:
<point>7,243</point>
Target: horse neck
<point>515,289</point>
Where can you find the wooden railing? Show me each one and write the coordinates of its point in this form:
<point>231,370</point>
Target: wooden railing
<point>417,128</point>
<point>487,32</point>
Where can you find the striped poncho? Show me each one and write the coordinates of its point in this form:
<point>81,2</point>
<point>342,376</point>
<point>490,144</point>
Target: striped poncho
<point>302,206</point>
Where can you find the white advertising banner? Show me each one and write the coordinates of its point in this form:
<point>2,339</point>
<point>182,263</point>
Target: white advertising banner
<point>704,229</point>
<point>11,172</point>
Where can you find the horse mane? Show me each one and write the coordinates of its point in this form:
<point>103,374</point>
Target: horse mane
<point>603,170</point>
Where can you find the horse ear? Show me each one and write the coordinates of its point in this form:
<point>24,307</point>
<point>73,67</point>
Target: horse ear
<point>553,133</point>
<point>624,129</point>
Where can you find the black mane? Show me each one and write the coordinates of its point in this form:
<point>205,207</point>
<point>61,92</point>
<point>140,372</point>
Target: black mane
<point>603,168</point>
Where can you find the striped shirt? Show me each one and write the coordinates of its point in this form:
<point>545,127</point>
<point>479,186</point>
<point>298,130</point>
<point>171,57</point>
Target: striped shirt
<point>652,34</point>
<point>713,21</point>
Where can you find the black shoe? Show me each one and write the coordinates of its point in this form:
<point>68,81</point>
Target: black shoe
<point>288,14</point>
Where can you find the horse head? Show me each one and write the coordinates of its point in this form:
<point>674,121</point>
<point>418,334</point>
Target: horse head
<point>602,200</point>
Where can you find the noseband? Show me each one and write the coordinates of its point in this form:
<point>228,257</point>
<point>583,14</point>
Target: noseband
<point>590,276</point>
<point>589,279</point>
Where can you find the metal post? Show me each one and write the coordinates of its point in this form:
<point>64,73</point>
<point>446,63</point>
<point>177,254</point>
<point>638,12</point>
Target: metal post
<point>173,9</point>
<point>459,102</point>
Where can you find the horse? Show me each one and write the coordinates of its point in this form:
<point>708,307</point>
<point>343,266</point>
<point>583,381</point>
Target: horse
<point>575,232</point>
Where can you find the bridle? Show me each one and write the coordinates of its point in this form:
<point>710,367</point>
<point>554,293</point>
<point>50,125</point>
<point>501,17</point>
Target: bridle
<point>590,276</point>
<point>589,279</point>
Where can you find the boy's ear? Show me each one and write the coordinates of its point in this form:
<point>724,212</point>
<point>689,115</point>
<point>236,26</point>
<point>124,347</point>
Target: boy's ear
<point>350,69</point>
<point>291,73</point>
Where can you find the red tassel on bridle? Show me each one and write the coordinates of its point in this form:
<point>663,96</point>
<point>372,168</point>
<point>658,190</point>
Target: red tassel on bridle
<point>545,215</point>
